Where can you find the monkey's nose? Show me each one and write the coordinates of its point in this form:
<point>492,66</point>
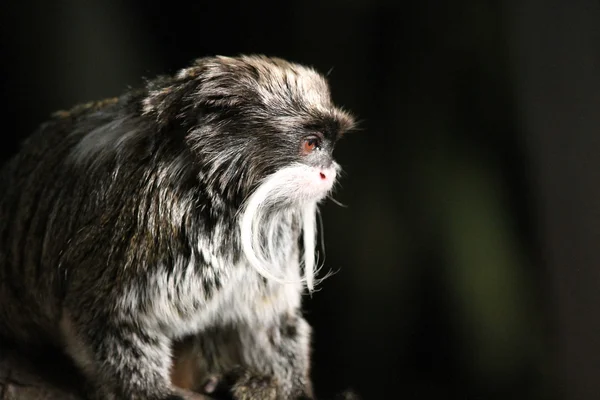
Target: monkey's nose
<point>327,174</point>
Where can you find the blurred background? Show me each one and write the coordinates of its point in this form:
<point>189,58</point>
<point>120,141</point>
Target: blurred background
<point>467,253</point>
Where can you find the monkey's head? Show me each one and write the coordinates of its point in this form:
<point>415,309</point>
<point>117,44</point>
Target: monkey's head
<point>263,131</point>
<point>249,117</point>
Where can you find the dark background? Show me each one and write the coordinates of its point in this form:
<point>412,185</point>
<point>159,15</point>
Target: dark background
<point>467,253</point>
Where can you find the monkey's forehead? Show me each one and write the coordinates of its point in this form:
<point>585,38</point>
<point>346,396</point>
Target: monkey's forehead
<point>284,87</point>
<point>281,84</point>
<point>303,89</point>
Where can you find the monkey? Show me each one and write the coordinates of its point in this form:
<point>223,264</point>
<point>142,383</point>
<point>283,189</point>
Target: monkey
<point>183,211</point>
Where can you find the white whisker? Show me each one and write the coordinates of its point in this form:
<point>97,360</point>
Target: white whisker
<point>337,202</point>
<point>309,232</point>
<point>290,193</point>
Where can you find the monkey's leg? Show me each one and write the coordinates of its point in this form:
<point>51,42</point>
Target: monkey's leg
<point>120,360</point>
<point>277,357</point>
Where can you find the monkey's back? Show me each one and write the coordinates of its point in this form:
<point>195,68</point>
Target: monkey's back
<point>39,218</point>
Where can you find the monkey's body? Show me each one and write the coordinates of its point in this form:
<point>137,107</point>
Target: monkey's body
<point>120,236</point>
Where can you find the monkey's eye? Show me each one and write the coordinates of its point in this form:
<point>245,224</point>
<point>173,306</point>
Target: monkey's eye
<point>310,143</point>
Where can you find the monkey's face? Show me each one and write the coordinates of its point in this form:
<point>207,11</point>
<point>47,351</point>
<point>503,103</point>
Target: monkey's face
<point>297,164</point>
<point>266,125</point>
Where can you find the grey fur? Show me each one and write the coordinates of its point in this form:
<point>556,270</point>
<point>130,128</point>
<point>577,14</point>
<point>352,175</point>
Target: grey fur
<point>120,229</point>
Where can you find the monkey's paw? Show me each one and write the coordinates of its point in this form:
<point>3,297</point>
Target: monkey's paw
<point>248,386</point>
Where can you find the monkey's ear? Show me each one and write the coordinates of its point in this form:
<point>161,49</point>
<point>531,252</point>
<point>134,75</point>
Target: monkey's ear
<point>223,81</point>
<point>168,100</point>
<point>212,82</point>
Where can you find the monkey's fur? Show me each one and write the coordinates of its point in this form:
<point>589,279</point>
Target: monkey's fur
<point>183,209</point>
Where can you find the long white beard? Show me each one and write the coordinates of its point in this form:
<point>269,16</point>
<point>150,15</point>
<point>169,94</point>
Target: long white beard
<point>294,189</point>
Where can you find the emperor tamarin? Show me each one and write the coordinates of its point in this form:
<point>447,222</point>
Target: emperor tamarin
<point>182,209</point>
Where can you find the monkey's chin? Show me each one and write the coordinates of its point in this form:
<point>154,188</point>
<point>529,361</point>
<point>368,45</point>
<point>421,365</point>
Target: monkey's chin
<point>296,188</point>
